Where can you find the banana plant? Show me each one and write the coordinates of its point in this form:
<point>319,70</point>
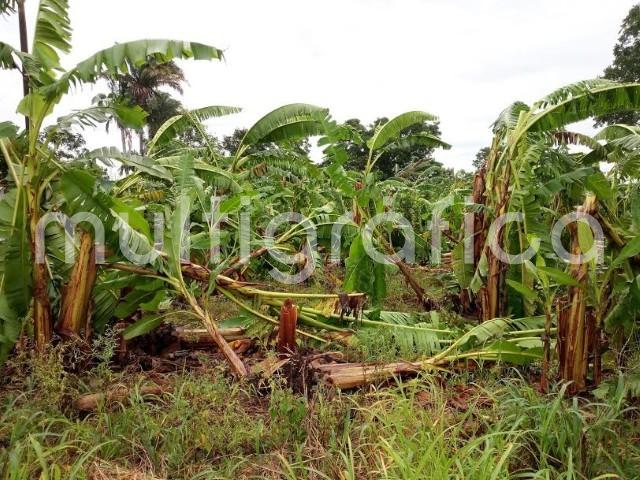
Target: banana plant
<point>521,135</point>
<point>32,166</point>
<point>173,270</point>
<point>552,282</point>
<point>289,122</point>
<point>363,273</point>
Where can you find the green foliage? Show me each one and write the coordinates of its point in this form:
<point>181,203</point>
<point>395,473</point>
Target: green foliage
<point>15,269</point>
<point>363,274</point>
<point>408,150</point>
<point>142,327</point>
<point>118,59</point>
<point>580,101</point>
<point>390,130</point>
<point>399,334</point>
<point>287,413</point>
<point>626,311</point>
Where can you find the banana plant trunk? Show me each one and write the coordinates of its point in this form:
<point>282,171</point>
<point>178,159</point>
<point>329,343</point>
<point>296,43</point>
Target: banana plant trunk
<point>42,317</point>
<point>425,301</point>
<point>494,295</point>
<point>491,189</point>
<point>76,297</point>
<point>468,303</point>
<point>576,322</point>
<point>546,350</point>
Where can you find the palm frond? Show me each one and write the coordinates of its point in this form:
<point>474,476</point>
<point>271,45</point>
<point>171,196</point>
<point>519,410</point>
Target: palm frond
<point>8,56</point>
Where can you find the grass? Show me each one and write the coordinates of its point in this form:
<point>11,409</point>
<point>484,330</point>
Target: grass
<point>471,427</point>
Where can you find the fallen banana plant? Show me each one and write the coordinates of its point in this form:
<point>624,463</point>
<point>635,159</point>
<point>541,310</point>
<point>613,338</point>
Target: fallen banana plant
<point>515,341</point>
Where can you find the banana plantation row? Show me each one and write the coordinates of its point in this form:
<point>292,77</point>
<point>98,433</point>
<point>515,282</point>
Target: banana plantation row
<point>542,309</point>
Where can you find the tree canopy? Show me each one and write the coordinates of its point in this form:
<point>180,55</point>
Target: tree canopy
<point>626,64</point>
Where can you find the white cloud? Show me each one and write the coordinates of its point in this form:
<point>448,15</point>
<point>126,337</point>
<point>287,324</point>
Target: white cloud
<point>463,60</point>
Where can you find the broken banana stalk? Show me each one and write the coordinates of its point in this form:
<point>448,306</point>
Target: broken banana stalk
<point>201,337</point>
<point>287,328</point>
<point>90,402</point>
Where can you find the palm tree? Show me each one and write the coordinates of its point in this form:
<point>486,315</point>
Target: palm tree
<point>161,107</point>
<point>141,87</point>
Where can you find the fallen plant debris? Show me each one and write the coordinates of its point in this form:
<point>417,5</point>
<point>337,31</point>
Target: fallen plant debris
<point>91,402</point>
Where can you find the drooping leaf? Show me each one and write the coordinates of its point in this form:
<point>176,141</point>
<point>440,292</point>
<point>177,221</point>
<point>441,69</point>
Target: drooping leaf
<point>123,225</point>
<point>15,269</point>
<point>179,123</point>
<point>390,130</point>
<point>129,116</point>
<point>179,235</point>
<point>10,326</point>
<point>8,130</point>
<point>117,59</point>
<point>143,164</point>
<point>580,101</point>
<point>420,138</point>
<point>412,333</point>
<point>631,249</point>
<point>462,270</point>
<point>289,122</point>
<point>17,261</point>
<point>495,328</point>
<point>509,117</point>
<point>105,299</point>
<point>7,56</point>
<point>626,310</point>
<point>363,274</point>
<point>598,184</point>
<point>626,137</point>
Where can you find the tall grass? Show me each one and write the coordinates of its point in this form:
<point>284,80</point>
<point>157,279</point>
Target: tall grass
<point>210,427</point>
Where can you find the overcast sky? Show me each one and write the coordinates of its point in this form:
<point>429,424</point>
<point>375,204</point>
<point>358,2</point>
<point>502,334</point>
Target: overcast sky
<point>463,60</point>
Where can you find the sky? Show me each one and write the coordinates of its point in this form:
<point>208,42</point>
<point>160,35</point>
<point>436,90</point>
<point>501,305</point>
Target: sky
<point>462,60</point>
